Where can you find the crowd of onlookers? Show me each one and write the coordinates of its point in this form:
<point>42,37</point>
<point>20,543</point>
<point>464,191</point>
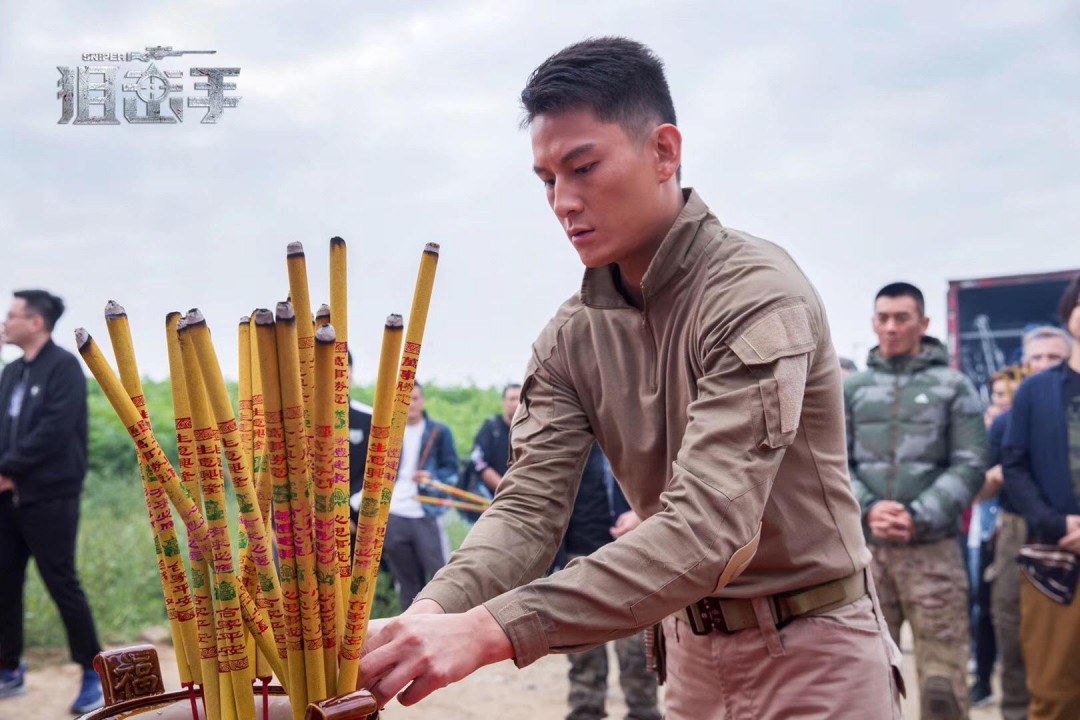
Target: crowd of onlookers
<point>971,509</point>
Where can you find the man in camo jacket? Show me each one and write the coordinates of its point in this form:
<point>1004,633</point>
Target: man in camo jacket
<point>916,450</point>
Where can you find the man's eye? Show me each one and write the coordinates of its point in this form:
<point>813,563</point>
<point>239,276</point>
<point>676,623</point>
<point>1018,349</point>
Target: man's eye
<point>548,183</point>
<point>584,169</point>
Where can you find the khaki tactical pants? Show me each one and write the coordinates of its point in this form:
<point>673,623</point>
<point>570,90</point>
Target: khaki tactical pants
<point>840,665</point>
<point>927,585</point>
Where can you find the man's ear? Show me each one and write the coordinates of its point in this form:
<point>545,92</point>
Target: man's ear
<point>667,143</point>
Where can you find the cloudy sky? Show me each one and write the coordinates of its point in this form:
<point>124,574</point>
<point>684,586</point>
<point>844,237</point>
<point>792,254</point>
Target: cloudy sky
<point>925,141</point>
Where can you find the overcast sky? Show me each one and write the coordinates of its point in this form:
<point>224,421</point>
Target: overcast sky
<point>924,141</point>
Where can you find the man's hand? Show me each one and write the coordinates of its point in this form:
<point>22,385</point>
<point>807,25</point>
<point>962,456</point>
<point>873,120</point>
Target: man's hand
<point>889,520</point>
<point>1071,541</point>
<point>995,479</point>
<point>6,484</point>
<point>424,650</point>
<point>421,477</point>
<point>625,523</point>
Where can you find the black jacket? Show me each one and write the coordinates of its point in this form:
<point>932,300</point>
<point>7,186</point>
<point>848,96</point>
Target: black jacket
<point>44,449</point>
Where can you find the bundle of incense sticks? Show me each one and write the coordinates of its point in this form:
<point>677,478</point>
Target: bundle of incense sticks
<point>274,590</point>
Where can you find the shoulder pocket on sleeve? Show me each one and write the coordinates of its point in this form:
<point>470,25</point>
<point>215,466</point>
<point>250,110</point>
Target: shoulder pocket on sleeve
<point>778,348</point>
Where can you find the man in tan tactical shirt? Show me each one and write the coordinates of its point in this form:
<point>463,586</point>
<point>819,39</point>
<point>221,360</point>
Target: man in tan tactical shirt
<point>700,358</point>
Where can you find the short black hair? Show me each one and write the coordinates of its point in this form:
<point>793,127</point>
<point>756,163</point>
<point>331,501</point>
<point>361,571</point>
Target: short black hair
<point>44,304</point>
<point>620,80</point>
<point>1069,300</point>
<point>903,289</point>
<point>510,386</point>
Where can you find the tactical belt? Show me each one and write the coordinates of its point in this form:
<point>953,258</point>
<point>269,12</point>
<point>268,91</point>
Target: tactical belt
<point>727,615</point>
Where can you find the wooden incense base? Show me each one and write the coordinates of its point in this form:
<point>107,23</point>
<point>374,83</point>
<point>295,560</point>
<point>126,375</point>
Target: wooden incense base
<point>131,681</point>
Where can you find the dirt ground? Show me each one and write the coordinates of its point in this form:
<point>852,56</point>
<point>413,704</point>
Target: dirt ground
<point>497,692</point>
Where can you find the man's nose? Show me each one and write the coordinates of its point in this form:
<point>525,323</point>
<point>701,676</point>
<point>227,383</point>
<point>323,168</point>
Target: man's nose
<point>565,202</point>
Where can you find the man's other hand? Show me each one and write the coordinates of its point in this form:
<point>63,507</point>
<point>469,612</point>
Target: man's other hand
<point>890,521</point>
<point>625,523</point>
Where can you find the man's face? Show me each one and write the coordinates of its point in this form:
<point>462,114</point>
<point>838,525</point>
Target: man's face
<point>21,324</point>
<point>899,326</point>
<point>511,400</point>
<point>603,186</point>
<point>1044,353</point>
<point>999,397</point>
<point>416,406</point>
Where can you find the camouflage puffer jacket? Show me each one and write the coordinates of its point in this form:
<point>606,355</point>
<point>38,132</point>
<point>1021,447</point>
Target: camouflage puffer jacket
<point>915,435</point>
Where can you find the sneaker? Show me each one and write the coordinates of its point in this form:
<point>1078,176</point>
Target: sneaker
<point>90,695</point>
<point>12,682</point>
<point>981,696</point>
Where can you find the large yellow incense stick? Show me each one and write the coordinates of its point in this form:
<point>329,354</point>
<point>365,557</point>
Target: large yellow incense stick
<point>266,341</point>
<point>365,564</point>
<point>178,605</point>
<point>325,542</point>
<point>305,333</point>
<point>189,476</point>
<point>414,338</point>
<point>337,379</point>
<point>247,442</point>
<point>162,473</point>
<point>239,470</point>
<point>300,496</point>
<point>260,470</point>
<point>339,317</point>
<point>234,669</point>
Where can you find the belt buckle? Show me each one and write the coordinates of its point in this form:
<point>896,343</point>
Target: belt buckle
<point>699,618</point>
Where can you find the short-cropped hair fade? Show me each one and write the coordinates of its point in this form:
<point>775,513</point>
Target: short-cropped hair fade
<point>903,289</point>
<point>620,80</point>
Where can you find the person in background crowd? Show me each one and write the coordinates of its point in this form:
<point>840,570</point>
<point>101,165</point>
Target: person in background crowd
<point>980,548</point>
<point>1043,348</point>
<point>491,449</point>
<point>600,515</point>
<point>416,546</point>
<point>43,437</point>
<point>917,448</point>
<point>1041,464</point>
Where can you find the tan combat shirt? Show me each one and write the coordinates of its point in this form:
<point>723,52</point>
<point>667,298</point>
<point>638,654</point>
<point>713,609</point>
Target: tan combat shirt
<point>721,410</point>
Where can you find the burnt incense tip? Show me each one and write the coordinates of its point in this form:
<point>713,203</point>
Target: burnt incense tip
<point>263,317</point>
<point>294,249</point>
<point>82,338</point>
<point>114,310</point>
<point>245,319</point>
<point>394,322</point>
<point>194,317</point>
<point>432,248</point>
<point>169,317</point>
<point>181,323</point>
<point>322,312</point>
<point>337,242</point>
<point>325,334</point>
<point>284,312</point>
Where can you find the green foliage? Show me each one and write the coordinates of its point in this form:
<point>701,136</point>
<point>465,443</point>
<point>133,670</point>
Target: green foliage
<point>116,552</point>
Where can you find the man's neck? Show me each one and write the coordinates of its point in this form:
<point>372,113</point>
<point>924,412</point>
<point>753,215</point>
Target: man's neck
<point>33,348</point>
<point>632,271</point>
<point>413,423</point>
